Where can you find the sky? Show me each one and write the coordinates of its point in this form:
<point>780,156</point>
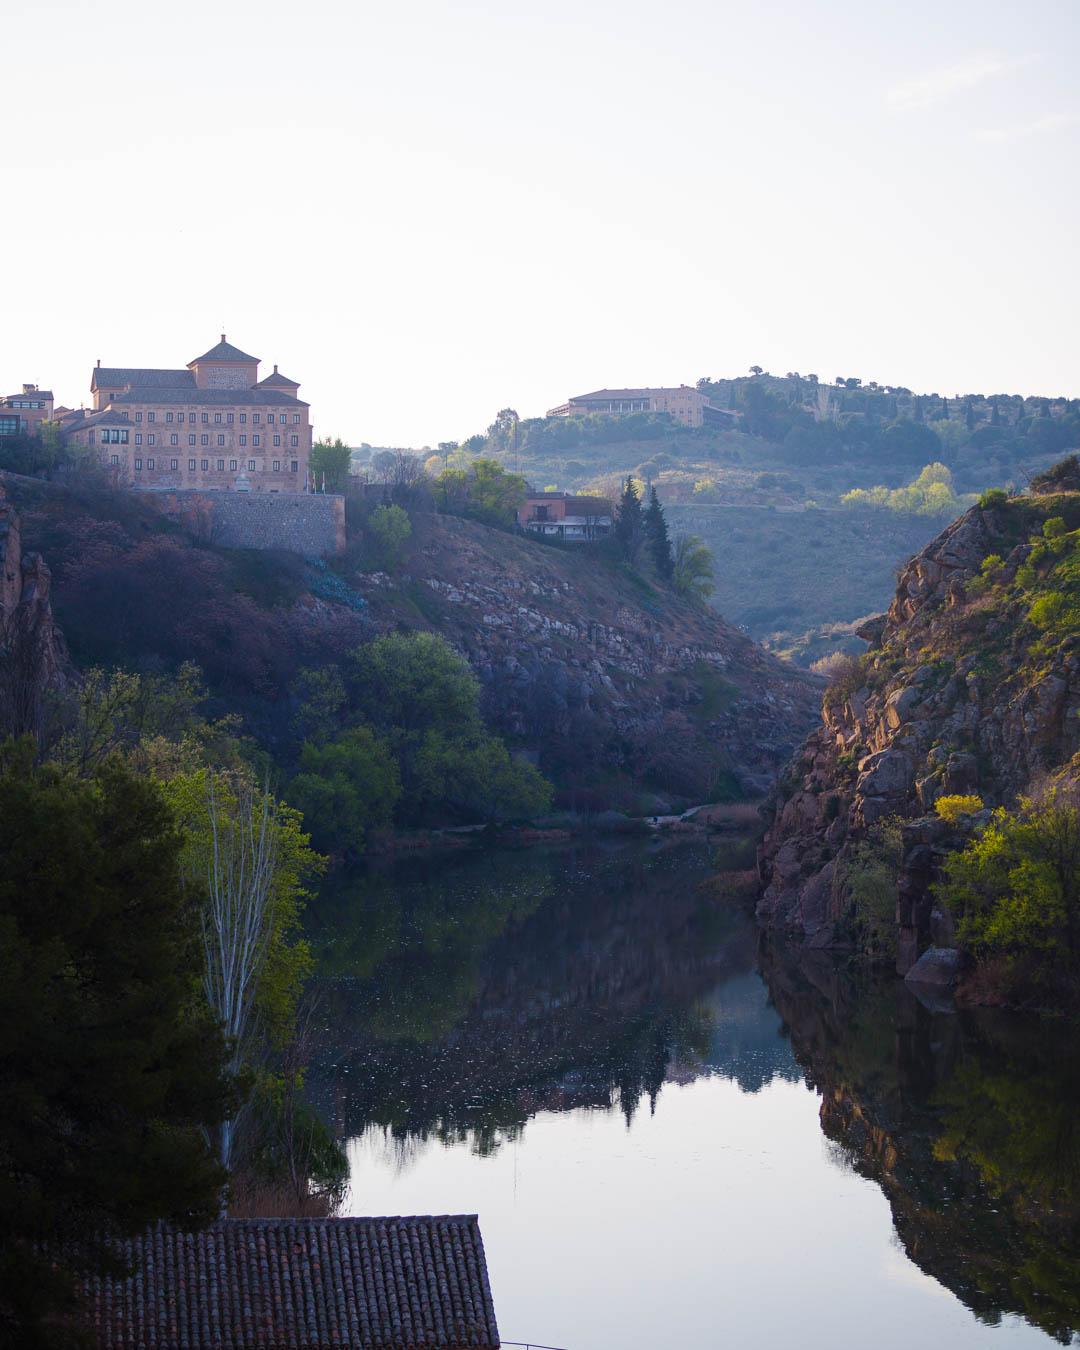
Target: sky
<point>426,211</point>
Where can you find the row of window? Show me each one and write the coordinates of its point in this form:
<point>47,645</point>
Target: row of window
<point>205,417</point>
<point>174,439</point>
<point>174,464</point>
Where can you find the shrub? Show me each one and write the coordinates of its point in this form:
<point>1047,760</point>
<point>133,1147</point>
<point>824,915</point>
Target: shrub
<point>992,497</point>
<point>389,529</point>
<point>869,879</point>
<point>951,808</point>
<point>848,674</point>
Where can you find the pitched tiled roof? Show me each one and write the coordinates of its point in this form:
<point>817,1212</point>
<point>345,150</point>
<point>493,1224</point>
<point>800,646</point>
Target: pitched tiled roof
<point>301,1284</point>
<point>224,351</point>
<point>256,395</point>
<point>631,393</point>
<point>279,380</point>
<point>119,377</point>
<point>77,421</point>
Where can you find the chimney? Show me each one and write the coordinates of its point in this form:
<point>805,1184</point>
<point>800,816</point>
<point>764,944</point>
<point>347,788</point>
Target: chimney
<point>29,388</point>
<point>275,367</point>
<point>223,337</point>
<point>99,363</point>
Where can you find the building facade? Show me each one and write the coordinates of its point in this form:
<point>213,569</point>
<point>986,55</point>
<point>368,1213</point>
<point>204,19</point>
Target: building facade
<point>213,425</point>
<point>23,414</point>
<point>561,515</point>
<point>684,404</point>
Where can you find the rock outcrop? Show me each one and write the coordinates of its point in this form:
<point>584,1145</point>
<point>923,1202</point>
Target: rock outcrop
<point>33,657</point>
<point>958,694</point>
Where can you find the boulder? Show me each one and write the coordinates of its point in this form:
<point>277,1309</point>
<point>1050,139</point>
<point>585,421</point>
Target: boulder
<point>938,966</point>
<point>888,773</point>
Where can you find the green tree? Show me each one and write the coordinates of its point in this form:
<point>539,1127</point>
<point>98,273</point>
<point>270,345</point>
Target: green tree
<point>629,522</point>
<point>330,461</point>
<point>389,528</point>
<point>411,682</point>
<point>656,532</point>
<point>345,788</point>
<point>111,1071</point>
<point>1015,890</point>
<point>693,573</point>
<point>483,491</point>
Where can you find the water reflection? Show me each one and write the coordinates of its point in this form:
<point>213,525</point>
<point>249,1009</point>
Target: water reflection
<point>969,1122</point>
<point>463,997</point>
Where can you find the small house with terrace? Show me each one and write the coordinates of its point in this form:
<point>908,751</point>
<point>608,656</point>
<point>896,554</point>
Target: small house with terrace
<point>562,515</point>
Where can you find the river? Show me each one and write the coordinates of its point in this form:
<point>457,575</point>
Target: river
<point>675,1134</point>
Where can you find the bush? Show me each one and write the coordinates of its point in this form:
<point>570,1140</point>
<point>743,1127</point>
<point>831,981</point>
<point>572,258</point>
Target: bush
<point>869,879</point>
<point>951,808</point>
<point>389,529</point>
<point>992,498</point>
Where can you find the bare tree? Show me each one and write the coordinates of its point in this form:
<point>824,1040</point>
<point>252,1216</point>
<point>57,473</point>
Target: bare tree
<point>237,922</point>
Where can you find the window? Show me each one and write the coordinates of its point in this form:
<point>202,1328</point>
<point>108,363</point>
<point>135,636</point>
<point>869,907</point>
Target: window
<point>295,466</point>
<point>149,463</point>
<point>191,417</point>
<point>277,440</point>
<point>217,417</point>
<point>228,417</point>
<point>89,438</point>
<point>191,440</point>
<point>114,459</point>
<point>251,465</point>
<point>174,439</point>
<point>168,417</point>
<point>138,463</point>
<point>221,440</point>
<point>277,465</point>
<point>254,417</point>
<point>138,438</point>
<point>174,463</point>
<point>243,417</point>
<point>138,417</point>
<point>151,439</point>
<point>206,417</point>
<point>149,416</point>
<point>191,466</point>
<point>243,440</point>
<point>205,464</point>
<point>123,438</point>
<point>254,440</point>
<point>232,465</point>
<point>204,440</point>
<point>294,440</point>
<point>269,417</point>
<point>221,464</point>
<point>295,418</point>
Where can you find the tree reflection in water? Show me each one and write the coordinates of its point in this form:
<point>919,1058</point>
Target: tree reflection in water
<point>462,995</point>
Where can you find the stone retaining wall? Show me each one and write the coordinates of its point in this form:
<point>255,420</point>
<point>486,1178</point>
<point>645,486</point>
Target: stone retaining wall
<point>308,523</point>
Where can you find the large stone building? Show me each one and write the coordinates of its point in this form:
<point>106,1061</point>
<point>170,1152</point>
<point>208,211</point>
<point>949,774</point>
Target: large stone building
<point>214,424</point>
<point>685,404</point>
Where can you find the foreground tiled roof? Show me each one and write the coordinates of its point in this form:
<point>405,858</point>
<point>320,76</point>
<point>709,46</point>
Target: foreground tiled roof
<point>302,1284</point>
<point>630,393</point>
<point>256,395</point>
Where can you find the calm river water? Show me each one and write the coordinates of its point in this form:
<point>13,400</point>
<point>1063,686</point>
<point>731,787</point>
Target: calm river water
<point>675,1135</point>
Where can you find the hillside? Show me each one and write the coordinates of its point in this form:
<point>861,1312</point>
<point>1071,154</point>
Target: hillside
<point>624,695</point>
<point>800,440</point>
<point>971,686</point>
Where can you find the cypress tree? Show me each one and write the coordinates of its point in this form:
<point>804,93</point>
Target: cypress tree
<point>656,532</point>
<point>629,525</point>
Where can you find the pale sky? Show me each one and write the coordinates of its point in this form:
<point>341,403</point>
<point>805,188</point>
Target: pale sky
<point>427,211</point>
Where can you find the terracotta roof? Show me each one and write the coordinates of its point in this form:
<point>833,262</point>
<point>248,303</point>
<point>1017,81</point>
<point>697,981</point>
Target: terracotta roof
<point>119,377</point>
<point>224,351</point>
<point>257,395</point>
<point>281,381</point>
<point>301,1284</point>
<point>633,393</point>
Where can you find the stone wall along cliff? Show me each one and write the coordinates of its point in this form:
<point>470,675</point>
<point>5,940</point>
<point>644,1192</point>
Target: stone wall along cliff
<point>309,523</point>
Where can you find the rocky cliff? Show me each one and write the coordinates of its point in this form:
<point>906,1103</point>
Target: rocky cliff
<point>33,658</point>
<point>971,685</point>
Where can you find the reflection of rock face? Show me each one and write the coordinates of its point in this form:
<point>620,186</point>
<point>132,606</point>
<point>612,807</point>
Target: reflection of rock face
<point>965,1122</point>
<point>625,976</point>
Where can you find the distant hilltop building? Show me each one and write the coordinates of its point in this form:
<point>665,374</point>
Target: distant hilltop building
<point>684,404</point>
<point>22,414</point>
<point>562,515</point>
<point>214,424</point>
